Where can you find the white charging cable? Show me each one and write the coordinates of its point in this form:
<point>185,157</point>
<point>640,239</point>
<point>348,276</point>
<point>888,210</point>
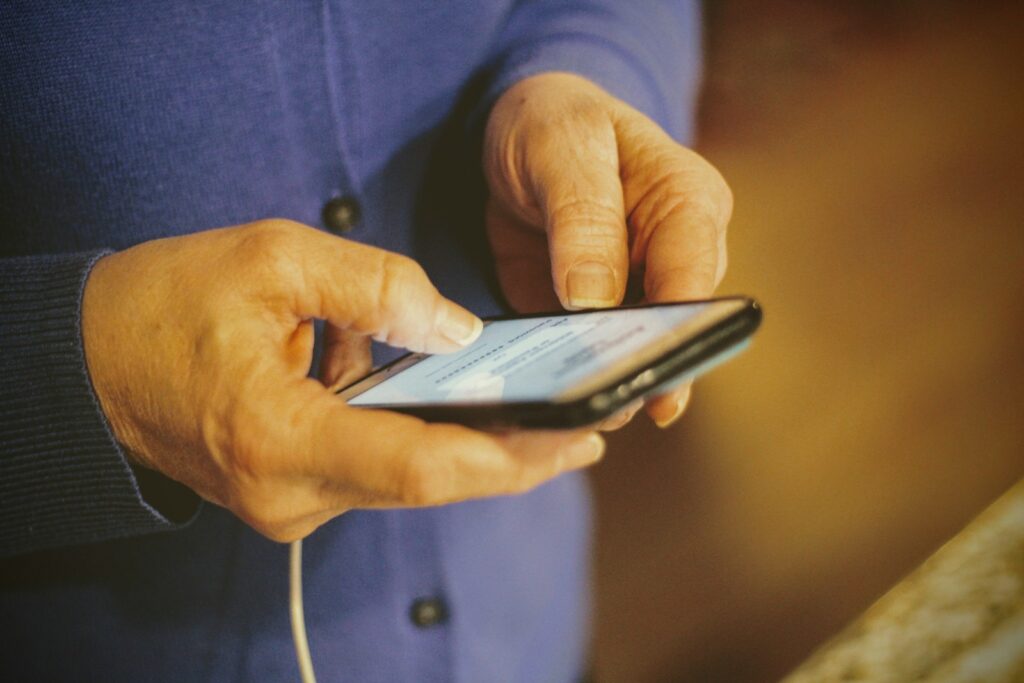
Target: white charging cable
<point>298,618</point>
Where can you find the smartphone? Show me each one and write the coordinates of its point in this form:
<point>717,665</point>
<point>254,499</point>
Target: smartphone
<point>561,370</point>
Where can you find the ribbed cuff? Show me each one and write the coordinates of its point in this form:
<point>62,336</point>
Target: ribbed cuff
<point>63,478</point>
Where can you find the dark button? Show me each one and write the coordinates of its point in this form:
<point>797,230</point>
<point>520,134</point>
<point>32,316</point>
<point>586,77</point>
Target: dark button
<point>341,214</point>
<point>427,612</point>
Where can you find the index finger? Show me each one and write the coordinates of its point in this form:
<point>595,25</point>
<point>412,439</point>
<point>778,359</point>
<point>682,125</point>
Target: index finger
<point>397,460</point>
<point>679,207</point>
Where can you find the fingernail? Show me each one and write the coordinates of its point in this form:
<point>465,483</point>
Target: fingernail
<point>459,325</point>
<point>585,451</point>
<point>676,413</point>
<point>591,285</point>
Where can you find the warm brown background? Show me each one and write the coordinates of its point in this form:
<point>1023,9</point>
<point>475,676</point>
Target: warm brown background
<point>876,151</point>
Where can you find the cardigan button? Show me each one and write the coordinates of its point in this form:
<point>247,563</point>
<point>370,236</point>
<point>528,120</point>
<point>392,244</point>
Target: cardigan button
<point>427,612</point>
<point>341,214</point>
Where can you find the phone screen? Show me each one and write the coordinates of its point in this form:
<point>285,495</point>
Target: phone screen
<point>528,359</point>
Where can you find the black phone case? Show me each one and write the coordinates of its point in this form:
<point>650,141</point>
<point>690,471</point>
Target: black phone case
<point>606,401</point>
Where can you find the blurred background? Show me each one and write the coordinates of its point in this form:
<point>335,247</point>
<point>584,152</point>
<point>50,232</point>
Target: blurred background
<point>876,152</point>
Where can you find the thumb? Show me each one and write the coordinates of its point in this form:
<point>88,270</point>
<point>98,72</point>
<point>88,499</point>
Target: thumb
<point>373,292</point>
<point>576,181</point>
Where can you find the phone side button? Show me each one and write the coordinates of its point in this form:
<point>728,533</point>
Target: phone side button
<point>643,380</point>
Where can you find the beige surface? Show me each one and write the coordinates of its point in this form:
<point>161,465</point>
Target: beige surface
<point>877,157</point>
<point>958,619</point>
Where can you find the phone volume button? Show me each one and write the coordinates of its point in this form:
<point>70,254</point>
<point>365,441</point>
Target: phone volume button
<point>644,379</point>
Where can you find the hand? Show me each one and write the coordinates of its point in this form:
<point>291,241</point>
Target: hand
<point>586,193</point>
<point>198,348</point>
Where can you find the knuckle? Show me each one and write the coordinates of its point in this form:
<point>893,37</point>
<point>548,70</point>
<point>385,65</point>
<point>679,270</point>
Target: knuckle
<point>687,182</point>
<point>427,477</point>
<point>723,267</point>
<point>270,249</point>
<point>672,198</point>
<point>521,481</point>
<point>705,208</point>
<point>696,275</point>
<point>522,474</point>
<point>723,198</point>
<point>397,277</point>
<point>528,478</point>
<point>269,235</point>
<point>728,199</point>
<point>416,486</point>
<point>587,219</point>
<point>399,285</point>
<point>713,192</point>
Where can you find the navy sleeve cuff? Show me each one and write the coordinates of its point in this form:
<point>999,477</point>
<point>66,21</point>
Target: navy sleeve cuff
<point>63,478</point>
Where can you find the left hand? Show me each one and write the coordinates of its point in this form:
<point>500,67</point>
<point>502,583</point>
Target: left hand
<point>587,192</point>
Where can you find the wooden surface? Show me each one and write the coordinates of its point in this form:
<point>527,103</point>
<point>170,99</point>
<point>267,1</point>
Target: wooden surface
<point>876,151</point>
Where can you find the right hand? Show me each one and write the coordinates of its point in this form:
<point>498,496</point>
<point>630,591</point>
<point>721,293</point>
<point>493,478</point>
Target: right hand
<point>198,348</point>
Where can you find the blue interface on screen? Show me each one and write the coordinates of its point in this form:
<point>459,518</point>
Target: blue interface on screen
<point>530,359</point>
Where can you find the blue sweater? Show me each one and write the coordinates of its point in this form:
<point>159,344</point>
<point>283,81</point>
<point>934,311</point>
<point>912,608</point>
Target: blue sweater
<point>126,121</point>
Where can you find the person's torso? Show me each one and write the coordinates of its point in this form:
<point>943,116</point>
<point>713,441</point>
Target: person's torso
<point>122,122</point>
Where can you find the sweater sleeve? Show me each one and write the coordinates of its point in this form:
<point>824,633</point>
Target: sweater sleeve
<point>645,52</point>
<point>63,478</point>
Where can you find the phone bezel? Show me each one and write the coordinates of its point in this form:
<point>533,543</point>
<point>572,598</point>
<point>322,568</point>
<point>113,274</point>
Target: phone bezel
<point>605,398</point>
